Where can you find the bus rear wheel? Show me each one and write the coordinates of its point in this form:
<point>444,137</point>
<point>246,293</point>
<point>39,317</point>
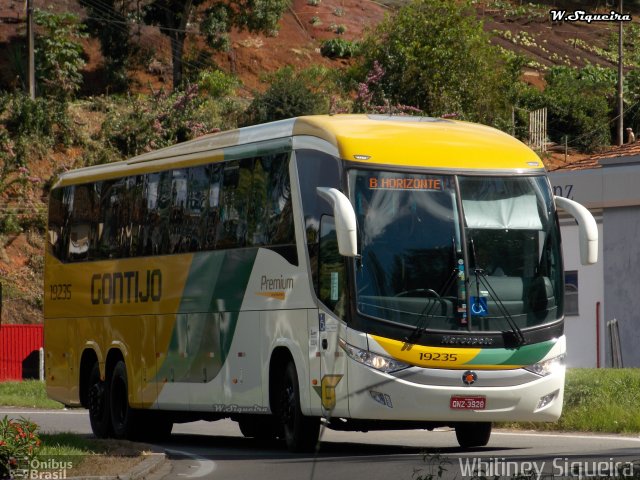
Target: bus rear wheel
<point>123,417</point>
<point>300,432</point>
<point>473,434</point>
<point>98,396</point>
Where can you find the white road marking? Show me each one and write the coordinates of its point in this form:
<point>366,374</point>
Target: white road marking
<point>204,467</point>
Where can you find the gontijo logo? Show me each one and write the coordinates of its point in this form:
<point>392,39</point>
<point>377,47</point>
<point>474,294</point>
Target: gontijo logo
<point>275,287</point>
<point>126,287</point>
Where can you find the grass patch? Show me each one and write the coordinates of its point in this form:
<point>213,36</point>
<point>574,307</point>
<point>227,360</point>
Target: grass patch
<point>85,457</point>
<point>597,400</point>
<point>28,393</point>
<point>70,444</point>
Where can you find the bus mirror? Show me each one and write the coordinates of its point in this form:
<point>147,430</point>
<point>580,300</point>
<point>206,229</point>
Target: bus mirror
<point>587,229</point>
<point>345,219</point>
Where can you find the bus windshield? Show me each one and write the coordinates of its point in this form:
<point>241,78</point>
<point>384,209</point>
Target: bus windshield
<point>484,259</point>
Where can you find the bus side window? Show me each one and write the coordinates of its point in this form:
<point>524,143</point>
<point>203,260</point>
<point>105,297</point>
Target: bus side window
<point>151,216</point>
<point>81,223</point>
<point>236,184</point>
<point>137,204</point>
<point>178,241</point>
<point>59,213</point>
<point>197,186</point>
<point>272,212</point>
<point>211,214</point>
<point>315,169</point>
<point>332,271</point>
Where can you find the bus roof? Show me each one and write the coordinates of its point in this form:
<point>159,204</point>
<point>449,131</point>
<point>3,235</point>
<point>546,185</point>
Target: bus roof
<point>370,139</point>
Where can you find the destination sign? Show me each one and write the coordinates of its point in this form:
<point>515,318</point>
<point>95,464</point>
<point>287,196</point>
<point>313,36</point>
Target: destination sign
<point>405,183</point>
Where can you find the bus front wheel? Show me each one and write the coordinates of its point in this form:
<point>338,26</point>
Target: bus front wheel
<point>122,415</point>
<point>98,396</point>
<point>300,432</point>
<point>473,434</point>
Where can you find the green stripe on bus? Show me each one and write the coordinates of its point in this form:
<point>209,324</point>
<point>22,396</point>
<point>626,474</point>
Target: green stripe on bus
<point>209,312</point>
<point>525,355</point>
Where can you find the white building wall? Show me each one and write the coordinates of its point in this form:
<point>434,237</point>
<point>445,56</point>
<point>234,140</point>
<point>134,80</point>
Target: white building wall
<point>581,330</point>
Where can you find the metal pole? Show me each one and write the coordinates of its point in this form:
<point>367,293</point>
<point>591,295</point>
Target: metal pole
<point>41,364</point>
<point>30,48</point>
<point>620,138</point>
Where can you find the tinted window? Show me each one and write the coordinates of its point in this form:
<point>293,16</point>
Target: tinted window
<point>227,205</point>
<point>315,169</point>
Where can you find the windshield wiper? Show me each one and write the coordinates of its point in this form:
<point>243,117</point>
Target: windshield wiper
<point>425,315</point>
<point>423,320</point>
<point>481,278</point>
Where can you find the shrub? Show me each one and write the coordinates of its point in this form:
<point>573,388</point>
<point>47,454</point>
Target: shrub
<point>339,48</point>
<point>59,54</point>
<point>217,83</point>
<point>579,106</point>
<point>140,126</point>
<point>19,443</point>
<point>290,94</point>
<point>451,69</point>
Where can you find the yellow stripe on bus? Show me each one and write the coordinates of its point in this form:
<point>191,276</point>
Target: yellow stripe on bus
<point>423,356</point>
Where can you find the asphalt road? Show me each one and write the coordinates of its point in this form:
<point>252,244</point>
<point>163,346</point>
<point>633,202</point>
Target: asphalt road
<point>218,451</point>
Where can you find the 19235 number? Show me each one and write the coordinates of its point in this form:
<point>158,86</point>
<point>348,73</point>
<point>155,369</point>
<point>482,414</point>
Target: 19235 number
<point>60,291</point>
<point>442,357</point>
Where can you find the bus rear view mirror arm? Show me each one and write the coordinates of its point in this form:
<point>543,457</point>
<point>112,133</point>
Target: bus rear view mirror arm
<point>345,219</point>
<point>587,229</point>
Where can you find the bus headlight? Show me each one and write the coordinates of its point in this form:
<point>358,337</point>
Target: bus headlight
<point>547,367</point>
<point>373,360</point>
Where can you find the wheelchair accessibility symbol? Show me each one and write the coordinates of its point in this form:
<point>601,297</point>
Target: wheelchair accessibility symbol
<point>479,306</point>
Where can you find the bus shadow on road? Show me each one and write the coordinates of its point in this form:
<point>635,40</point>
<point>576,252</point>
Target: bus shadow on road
<point>230,447</point>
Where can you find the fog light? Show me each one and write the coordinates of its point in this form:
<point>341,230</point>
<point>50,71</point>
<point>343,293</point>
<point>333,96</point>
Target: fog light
<point>381,398</point>
<point>547,399</point>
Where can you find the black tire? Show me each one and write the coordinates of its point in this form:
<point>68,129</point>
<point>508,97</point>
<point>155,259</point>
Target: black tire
<point>473,434</point>
<point>98,404</point>
<point>260,427</point>
<point>300,432</point>
<point>123,417</point>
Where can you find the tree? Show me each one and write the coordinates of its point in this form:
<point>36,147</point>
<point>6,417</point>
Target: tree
<point>173,17</point>
<point>436,57</point>
<point>108,21</point>
<point>290,94</point>
<point>59,53</point>
<point>579,103</point>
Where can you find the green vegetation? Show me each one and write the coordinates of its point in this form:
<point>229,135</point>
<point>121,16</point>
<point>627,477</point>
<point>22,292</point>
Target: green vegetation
<point>338,48</point>
<point>18,440</point>
<point>219,18</point>
<point>70,444</point>
<point>59,54</point>
<point>429,72</point>
<point>28,393</point>
<point>603,400</point>
<point>291,94</point>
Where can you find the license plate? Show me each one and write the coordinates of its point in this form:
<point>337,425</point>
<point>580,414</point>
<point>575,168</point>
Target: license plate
<point>467,403</point>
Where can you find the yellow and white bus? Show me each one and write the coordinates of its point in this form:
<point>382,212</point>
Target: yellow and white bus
<point>361,272</point>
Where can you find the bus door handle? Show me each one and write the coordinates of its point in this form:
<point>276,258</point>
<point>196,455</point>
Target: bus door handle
<point>325,344</point>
